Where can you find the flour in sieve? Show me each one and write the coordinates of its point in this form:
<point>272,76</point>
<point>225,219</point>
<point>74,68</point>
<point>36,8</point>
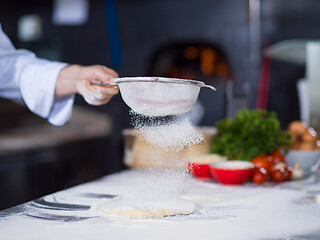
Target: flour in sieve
<point>156,98</point>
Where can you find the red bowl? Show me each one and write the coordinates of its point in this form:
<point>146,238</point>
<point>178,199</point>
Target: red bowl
<point>232,172</point>
<point>200,170</point>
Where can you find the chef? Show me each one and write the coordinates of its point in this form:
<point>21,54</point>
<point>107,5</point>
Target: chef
<point>47,88</point>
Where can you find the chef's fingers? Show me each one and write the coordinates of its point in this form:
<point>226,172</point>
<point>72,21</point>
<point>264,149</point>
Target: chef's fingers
<point>91,94</point>
<point>111,72</point>
<point>106,90</point>
<point>96,95</point>
<point>100,74</point>
<point>110,90</point>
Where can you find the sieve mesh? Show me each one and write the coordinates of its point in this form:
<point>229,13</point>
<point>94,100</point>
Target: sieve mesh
<point>153,96</point>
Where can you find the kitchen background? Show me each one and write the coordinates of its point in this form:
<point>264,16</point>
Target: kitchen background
<point>219,42</point>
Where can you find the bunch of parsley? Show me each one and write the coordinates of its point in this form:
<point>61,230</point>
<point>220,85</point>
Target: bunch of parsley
<point>249,134</point>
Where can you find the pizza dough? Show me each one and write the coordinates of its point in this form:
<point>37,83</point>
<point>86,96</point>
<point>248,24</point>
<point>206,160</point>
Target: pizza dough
<point>144,208</point>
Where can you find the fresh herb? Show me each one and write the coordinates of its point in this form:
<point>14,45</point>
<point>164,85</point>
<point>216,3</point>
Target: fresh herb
<point>251,133</point>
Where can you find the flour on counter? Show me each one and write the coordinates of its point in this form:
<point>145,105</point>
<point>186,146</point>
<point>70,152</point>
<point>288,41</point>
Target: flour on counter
<point>281,211</point>
<point>317,198</point>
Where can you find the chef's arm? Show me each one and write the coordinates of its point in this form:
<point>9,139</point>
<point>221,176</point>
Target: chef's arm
<point>48,87</point>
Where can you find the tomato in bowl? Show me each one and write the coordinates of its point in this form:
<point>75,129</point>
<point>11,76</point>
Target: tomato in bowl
<point>232,172</point>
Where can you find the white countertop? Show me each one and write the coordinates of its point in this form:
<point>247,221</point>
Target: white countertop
<point>282,211</point>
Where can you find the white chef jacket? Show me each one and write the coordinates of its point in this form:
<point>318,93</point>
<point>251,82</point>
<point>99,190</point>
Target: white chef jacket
<point>26,78</point>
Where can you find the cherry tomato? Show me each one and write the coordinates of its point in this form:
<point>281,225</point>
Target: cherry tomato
<point>262,161</point>
<point>276,157</point>
<point>260,175</point>
<point>281,174</point>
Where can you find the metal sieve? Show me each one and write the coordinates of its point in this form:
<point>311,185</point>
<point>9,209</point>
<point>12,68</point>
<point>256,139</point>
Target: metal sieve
<point>158,96</point>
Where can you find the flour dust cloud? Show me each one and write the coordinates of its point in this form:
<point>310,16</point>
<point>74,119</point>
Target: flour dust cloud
<point>170,133</point>
<point>160,193</point>
<point>169,136</point>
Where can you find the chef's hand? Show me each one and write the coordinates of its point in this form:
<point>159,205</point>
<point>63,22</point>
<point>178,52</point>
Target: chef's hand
<point>77,79</point>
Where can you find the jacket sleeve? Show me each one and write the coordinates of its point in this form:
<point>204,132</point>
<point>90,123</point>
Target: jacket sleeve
<point>26,78</point>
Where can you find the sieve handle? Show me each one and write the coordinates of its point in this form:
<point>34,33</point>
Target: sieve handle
<point>208,86</point>
<point>104,84</point>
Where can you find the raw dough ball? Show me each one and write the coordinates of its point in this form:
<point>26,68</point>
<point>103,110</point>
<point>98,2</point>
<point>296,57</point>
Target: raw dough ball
<point>139,208</point>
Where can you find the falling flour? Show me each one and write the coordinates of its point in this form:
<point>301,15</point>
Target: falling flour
<point>171,135</point>
<point>159,195</point>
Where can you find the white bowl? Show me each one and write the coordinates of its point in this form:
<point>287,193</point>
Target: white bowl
<point>309,160</point>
